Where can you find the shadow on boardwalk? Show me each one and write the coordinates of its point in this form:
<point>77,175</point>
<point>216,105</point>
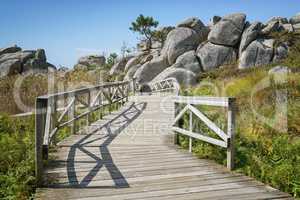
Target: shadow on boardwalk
<point>105,160</point>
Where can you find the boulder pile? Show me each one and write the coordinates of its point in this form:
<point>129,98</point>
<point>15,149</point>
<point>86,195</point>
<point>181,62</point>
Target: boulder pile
<point>14,60</point>
<point>90,62</point>
<point>192,48</point>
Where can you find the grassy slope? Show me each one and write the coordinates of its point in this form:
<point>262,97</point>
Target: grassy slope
<point>267,154</point>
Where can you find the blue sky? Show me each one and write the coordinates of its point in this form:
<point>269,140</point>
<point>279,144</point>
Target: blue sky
<point>68,29</point>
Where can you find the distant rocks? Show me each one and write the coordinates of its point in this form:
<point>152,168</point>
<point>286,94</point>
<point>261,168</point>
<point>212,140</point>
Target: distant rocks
<point>90,62</point>
<point>12,49</point>
<point>15,61</point>
<point>295,19</point>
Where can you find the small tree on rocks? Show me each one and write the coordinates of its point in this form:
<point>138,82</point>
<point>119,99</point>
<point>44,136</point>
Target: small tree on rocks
<point>144,26</point>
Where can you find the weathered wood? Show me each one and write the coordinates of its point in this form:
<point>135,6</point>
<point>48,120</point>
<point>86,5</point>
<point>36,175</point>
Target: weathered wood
<point>131,157</point>
<point>40,118</point>
<point>230,132</point>
<point>72,114</point>
<point>209,101</point>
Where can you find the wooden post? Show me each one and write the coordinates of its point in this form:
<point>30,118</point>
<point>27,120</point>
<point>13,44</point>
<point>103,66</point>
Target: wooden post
<point>53,115</point>
<point>134,86</point>
<point>231,132</point>
<point>101,108</point>
<point>89,116</point>
<point>40,118</point>
<point>72,114</point>
<point>176,136</point>
<point>127,91</point>
<point>191,130</point>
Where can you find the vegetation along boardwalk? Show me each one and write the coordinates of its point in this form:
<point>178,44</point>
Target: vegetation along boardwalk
<point>130,154</point>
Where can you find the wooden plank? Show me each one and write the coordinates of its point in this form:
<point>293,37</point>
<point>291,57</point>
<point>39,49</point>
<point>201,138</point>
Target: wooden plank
<point>141,165</point>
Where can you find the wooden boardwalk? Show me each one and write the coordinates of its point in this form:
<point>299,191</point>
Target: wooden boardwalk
<point>129,154</point>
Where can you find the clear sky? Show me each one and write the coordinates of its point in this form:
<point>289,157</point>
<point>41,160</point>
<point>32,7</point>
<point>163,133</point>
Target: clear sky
<point>68,29</point>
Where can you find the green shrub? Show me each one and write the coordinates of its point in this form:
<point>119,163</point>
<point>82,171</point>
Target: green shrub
<point>262,152</point>
<point>16,158</point>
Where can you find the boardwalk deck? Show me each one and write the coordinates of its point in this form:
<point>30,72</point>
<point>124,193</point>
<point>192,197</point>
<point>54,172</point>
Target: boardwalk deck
<point>130,155</point>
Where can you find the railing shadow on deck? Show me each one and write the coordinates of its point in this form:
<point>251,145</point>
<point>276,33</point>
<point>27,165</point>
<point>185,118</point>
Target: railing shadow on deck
<point>106,161</point>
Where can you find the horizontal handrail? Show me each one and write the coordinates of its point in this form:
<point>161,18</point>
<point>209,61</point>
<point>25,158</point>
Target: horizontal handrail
<point>226,138</point>
<point>50,119</point>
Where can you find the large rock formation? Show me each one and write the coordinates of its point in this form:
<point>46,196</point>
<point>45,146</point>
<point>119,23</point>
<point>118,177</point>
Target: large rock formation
<point>183,76</point>
<point>188,50</point>
<point>228,30</point>
<point>197,25</point>
<point>179,41</point>
<point>213,56</point>
<point>250,34</point>
<point>188,61</point>
<point>130,73</point>
<point>119,67</point>
<point>259,52</point>
<point>295,19</point>
<point>15,61</point>
<point>90,62</point>
<point>150,70</point>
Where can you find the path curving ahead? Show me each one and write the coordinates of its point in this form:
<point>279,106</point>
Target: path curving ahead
<point>129,154</point>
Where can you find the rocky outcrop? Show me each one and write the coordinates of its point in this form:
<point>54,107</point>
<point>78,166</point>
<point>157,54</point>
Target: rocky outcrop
<point>259,52</point>
<point>214,20</point>
<point>90,62</point>
<point>15,61</point>
<point>119,67</point>
<point>179,41</point>
<point>187,52</point>
<point>197,25</point>
<point>228,30</point>
<point>12,49</point>
<point>188,61</point>
<point>212,56</point>
<point>150,69</point>
<point>279,69</point>
<point>281,52</point>
<point>273,26</point>
<point>183,76</point>
<point>250,34</point>
<point>130,73</point>
<point>132,62</point>
<point>295,19</point>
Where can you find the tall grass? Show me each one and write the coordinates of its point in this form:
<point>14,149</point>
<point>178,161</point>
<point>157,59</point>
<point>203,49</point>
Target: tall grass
<point>270,155</point>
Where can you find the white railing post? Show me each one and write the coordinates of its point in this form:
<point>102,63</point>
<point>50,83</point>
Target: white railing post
<point>231,132</point>
<point>191,130</point>
<point>72,114</point>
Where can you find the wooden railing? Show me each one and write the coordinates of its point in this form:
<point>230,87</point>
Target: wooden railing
<point>226,139</point>
<point>167,85</point>
<point>50,119</point>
